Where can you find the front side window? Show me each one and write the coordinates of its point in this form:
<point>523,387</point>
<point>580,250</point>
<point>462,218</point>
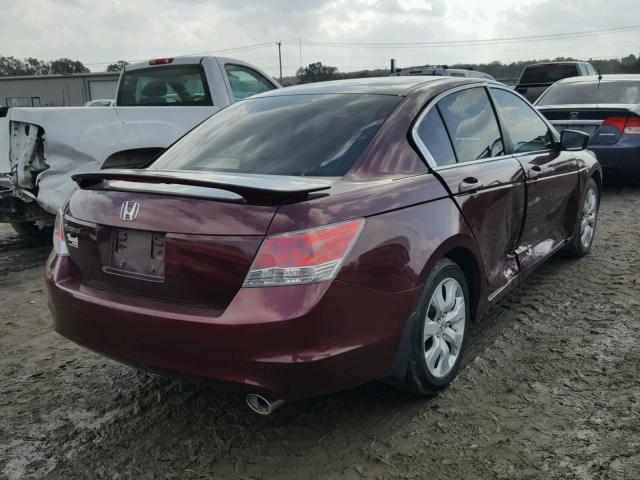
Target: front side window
<point>314,135</point>
<point>246,82</point>
<point>176,85</point>
<point>472,125</point>
<point>527,130</point>
<point>434,136</point>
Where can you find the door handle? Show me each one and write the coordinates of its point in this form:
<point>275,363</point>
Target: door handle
<point>534,171</point>
<point>469,184</point>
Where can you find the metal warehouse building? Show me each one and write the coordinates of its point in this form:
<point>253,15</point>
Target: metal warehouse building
<point>57,90</point>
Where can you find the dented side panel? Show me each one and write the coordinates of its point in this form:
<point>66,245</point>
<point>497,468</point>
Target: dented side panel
<point>48,145</point>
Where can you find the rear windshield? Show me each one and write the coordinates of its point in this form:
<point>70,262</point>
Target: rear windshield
<point>179,85</point>
<point>549,73</point>
<point>588,93</point>
<point>315,135</point>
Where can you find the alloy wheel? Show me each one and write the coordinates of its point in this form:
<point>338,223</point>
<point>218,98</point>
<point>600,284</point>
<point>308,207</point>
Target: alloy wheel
<point>588,219</point>
<point>444,327</point>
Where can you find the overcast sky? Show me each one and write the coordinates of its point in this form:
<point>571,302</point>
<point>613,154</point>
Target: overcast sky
<point>95,32</point>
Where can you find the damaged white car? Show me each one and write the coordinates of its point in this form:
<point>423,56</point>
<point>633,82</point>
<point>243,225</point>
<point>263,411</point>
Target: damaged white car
<point>157,102</point>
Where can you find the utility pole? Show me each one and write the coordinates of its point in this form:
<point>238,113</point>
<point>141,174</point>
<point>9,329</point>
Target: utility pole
<point>280,59</point>
<point>300,50</point>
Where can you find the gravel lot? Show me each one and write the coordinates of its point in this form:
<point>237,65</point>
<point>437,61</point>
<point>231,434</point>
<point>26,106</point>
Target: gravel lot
<point>550,390</point>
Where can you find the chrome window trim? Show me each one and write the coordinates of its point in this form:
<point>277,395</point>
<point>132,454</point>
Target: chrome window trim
<point>429,158</point>
<point>423,148</point>
<point>577,122</point>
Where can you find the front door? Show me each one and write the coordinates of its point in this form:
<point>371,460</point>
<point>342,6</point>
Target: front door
<point>551,178</point>
<point>465,148</point>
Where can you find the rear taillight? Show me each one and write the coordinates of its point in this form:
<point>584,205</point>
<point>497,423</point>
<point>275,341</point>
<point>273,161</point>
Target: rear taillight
<point>305,256</point>
<point>626,125</point>
<point>617,122</point>
<point>633,126</point>
<point>59,243</point>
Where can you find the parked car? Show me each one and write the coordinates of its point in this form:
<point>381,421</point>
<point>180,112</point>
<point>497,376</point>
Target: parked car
<point>607,108</point>
<point>443,71</point>
<point>100,103</point>
<point>316,238</point>
<point>157,102</point>
<point>537,77</point>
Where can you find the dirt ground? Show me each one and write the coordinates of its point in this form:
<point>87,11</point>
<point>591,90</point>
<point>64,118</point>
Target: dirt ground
<point>550,390</point>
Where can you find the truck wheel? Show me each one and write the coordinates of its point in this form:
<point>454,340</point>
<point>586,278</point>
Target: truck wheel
<point>439,335</point>
<point>31,230</point>
<point>585,229</point>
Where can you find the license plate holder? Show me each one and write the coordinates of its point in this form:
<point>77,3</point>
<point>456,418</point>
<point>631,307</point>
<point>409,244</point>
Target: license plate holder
<point>137,254</point>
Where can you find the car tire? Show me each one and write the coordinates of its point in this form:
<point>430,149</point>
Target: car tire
<point>585,228</point>
<point>32,231</point>
<point>439,333</point>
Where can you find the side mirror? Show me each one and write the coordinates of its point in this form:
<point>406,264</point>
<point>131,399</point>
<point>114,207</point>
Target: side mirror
<point>573,140</point>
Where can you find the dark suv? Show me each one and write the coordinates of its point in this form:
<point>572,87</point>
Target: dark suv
<point>536,78</point>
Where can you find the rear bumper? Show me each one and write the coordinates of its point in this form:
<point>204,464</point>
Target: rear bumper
<point>293,342</point>
<point>622,157</point>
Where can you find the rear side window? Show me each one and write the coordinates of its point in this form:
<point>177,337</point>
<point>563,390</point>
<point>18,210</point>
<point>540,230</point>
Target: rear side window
<point>472,125</point>
<point>590,93</point>
<point>527,130</point>
<point>315,135</point>
<point>176,85</point>
<point>549,73</point>
<point>434,136</point>
<point>246,82</point>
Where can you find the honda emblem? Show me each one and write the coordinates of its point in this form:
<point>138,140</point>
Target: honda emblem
<point>129,210</point>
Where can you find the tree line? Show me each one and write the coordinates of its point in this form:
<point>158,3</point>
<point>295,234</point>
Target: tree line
<point>12,66</point>
<point>317,72</point>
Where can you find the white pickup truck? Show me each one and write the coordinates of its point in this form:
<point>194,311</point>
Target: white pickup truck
<point>157,102</point>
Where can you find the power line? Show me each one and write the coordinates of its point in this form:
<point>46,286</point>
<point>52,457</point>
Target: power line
<point>227,50</point>
<point>486,41</point>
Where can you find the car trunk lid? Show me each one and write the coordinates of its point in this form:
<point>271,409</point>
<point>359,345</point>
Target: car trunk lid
<point>593,120</point>
<point>177,236</point>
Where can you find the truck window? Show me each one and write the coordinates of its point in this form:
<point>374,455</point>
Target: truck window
<point>246,82</point>
<point>548,73</point>
<point>176,85</point>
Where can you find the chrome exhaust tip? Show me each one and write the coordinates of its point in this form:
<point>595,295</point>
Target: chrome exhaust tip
<point>262,404</point>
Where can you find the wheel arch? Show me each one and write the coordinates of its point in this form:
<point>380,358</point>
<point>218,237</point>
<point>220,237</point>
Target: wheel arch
<point>462,250</point>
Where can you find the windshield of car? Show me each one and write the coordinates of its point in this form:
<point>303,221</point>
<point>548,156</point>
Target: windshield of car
<point>314,135</point>
<point>588,93</point>
<point>177,85</point>
<point>548,73</point>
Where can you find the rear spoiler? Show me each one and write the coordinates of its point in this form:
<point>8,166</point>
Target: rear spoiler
<point>251,187</point>
<point>534,85</point>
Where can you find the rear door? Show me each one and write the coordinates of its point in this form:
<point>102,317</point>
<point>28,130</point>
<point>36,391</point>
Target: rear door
<point>461,140</point>
<point>551,178</point>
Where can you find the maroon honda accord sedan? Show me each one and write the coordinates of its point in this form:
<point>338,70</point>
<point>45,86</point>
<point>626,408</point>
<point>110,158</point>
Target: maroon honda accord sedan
<point>315,238</point>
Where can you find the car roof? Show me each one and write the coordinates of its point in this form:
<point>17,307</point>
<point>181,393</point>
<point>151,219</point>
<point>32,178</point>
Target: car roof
<point>629,77</point>
<point>400,86</point>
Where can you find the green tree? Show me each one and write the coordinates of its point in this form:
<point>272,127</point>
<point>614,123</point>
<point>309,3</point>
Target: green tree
<point>118,66</point>
<point>317,72</point>
<point>66,65</point>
